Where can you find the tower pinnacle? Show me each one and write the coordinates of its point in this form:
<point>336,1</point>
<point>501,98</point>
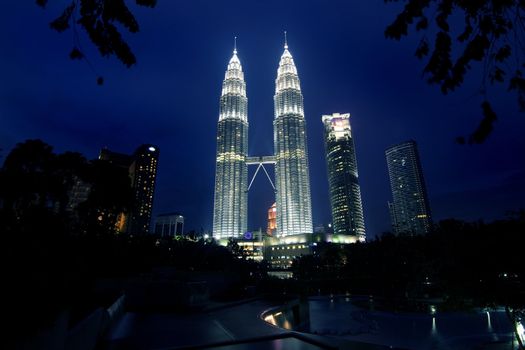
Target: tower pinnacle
<point>235,45</point>
<point>285,41</point>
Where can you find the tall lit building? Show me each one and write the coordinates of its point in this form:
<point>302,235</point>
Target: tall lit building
<point>231,171</point>
<point>409,209</point>
<point>142,170</point>
<point>345,194</point>
<point>294,209</point>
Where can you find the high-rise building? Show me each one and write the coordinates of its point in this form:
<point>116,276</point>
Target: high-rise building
<point>169,225</point>
<point>294,208</point>
<point>345,194</point>
<point>120,160</point>
<point>142,170</point>
<point>231,172</point>
<point>409,210</point>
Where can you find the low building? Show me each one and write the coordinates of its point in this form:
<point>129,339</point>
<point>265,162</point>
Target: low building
<point>169,225</point>
<point>280,252</point>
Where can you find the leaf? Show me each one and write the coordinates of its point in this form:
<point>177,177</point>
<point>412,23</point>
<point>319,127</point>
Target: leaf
<point>121,48</point>
<point>466,33</point>
<point>439,63</point>
<point>397,29</point>
<point>61,23</point>
<point>75,54</point>
<point>116,10</point>
<point>496,75</point>
<point>503,53</point>
<point>444,9</point>
<point>518,83</point>
<point>148,3</point>
<point>485,126</point>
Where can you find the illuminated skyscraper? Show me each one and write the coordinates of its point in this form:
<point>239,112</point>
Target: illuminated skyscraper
<point>345,194</point>
<point>142,170</point>
<point>294,209</point>
<point>409,210</point>
<point>231,172</point>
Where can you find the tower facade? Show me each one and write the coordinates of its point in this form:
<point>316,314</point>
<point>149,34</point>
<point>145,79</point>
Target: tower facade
<point>345,193</point>
<point>409,209</point>
<point>142,170</point>
<point>294,209</point>
<point>231,172</point>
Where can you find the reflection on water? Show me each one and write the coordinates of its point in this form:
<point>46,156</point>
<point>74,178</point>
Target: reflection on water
<point>340,317</point>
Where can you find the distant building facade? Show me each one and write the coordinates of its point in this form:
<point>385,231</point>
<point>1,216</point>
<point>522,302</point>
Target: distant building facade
<point>272,220</point>
<point>78,193</point>
<point>345,193</point>
<point>142,169</point>
<point>409,209</point>
<point>252,245</point>
<point>169,225</point>
<point>143,173</point>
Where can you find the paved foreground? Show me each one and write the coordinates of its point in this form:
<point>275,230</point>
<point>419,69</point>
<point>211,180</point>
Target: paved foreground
<point>235,327</point>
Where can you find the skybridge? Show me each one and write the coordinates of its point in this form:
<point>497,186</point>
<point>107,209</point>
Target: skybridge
<point>260,162</point>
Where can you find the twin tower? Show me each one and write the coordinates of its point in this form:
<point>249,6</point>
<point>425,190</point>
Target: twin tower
<point>292,180</point>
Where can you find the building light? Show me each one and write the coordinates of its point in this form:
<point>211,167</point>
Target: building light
<point>270,319</point>
<point>520,331</point>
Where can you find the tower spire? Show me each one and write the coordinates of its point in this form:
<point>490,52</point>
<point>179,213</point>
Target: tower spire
<point>285,41</point>
<point>235,45</point>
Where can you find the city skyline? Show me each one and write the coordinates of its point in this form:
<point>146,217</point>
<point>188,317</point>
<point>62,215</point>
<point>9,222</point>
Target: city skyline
<point>170,99</point>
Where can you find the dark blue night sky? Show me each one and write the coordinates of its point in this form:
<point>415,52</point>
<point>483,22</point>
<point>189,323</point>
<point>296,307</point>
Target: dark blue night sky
<point>171,98</point>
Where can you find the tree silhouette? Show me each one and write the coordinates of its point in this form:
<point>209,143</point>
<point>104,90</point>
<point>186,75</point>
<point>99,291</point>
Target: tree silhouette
<point>493,33</point>
<point>34,179</point>
<point>100,20</point>
<point>28,177</point>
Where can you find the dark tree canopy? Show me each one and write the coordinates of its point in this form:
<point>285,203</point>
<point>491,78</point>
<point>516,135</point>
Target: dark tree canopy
<point>100,19</point>
<point>35,179</point>
<point>492,33</point>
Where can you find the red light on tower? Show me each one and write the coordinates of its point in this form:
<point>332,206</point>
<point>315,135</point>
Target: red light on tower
<point>272,219</point>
